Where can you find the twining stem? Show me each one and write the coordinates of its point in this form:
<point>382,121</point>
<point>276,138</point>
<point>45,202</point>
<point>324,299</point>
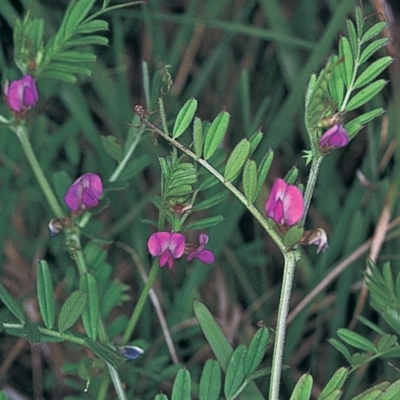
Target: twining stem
<point>280,332</point>
<point>140,304</point>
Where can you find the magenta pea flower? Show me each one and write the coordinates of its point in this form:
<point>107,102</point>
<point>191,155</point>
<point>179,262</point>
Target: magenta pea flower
<point>84,193</point>
<point>166,245</point>
<point>204,255</point>
<point>21,94</point>
<point>333,138</point>
<point>285,204</point>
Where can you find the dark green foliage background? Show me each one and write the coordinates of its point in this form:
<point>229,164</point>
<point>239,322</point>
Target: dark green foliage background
<point>252,58</point>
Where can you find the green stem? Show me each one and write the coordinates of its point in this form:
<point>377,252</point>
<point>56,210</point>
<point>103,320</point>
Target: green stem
<point>277,360</point>
<point>140,304</point>
<point>117,382</point>
<point>115,175</point>
<point>312,179</point>
<point>49,332</point>
<point>22,134</point>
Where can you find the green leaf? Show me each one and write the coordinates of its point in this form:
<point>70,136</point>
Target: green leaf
<point>366,94</point>
<point>220,346</point>
<point>372,48</point>
<point>77,13</point>
<point>31,332</point>
<point>359,21</point>
<point>255,140</point>
<point>373,31</point>
<point>392,392</point>
<point>302,390</point>
<point>180,190</point>
<point>292,175</point>
<point>335,395</point>
<point>341,348</point>
<point>356,340</point>
<point>346,67</point>
<point>373,71</point>
<point>392,317</point>
<point>352,36</point>
<point>211,201</point>
<point>263,168</point>
<point>90,315</point>
<point>356,124</point>
<point>358,359</point>
<point>293,235</point>
<point>45,293</point>
<point>182,384</point>
<point>256,350</point>
<point>336,84</point>
<point>370,394</point>
<point>91,27</point>
<point>198,137</point>
<point>213,333</point>
<point>59,75</point>
<point>112,147</point>
<point>235,374</point>
<point>105,352</point>
<point>335,383</point>
<point>184,118</point>
<point>236,160</point>
<point>210,382</point>
<point>88,41</point>
<point>14,307</point>
<point>161,397</point>
<point>205,223</point>
<point>71,310</point>
<point>386,342</point>
<point>250,183</point>
<point>215,134</point>
<point>73,56</point>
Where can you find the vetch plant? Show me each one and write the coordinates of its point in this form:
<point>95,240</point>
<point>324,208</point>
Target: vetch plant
<point>108,322</point>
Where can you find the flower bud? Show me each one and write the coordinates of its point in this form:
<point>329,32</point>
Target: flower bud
<point>333,138</point>
<point>21,94</point>
<point>84,193</point>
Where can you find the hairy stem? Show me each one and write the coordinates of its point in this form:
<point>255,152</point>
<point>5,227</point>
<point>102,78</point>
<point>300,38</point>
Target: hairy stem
<point>280,332</point>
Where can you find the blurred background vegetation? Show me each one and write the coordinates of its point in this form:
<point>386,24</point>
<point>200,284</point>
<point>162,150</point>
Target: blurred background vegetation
<point>253,58</point>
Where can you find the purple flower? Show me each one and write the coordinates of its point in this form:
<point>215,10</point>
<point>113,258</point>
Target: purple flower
<point>204,255</point>
<point>285,204</point>
<point>333,138</point>
<point>84,193</point>
<point>166,245</point>
<point>21,94</point>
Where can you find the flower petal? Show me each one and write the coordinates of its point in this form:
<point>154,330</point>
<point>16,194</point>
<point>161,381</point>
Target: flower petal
<point>293,205</point>
<point>177,244</point>
<point>158,242</point>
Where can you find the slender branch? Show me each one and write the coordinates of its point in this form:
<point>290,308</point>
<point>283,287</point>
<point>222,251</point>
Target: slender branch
<point>140,304</point>
<point>236,192</point>
<point>280,333</point>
